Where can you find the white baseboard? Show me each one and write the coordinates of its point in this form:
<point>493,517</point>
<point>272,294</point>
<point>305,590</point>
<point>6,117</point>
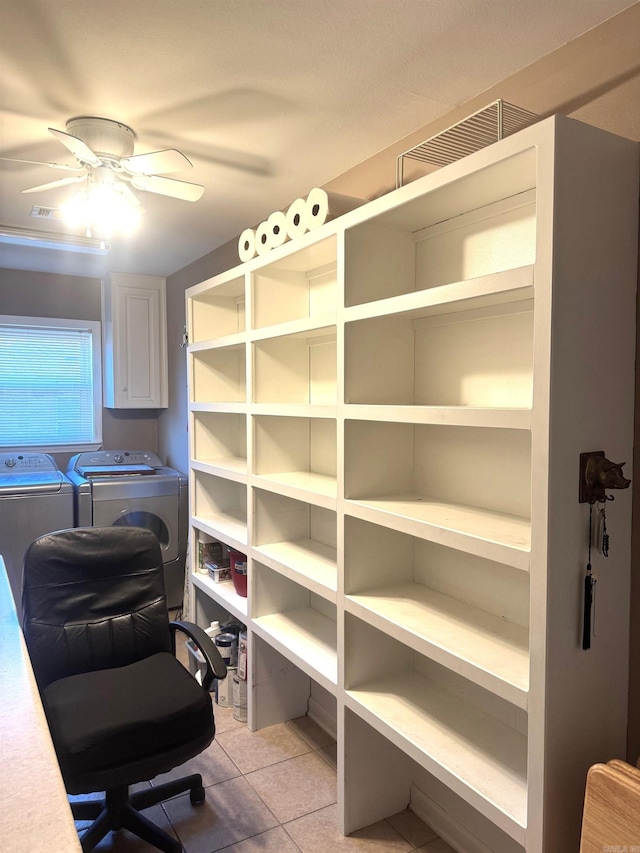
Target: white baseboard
<point>450,830</point>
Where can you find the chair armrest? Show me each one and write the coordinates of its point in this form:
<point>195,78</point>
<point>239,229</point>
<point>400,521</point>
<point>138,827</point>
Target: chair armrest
<point>216,667</point>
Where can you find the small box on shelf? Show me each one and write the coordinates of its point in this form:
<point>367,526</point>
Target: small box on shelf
<point>218,573</point>
<point>211,553</point>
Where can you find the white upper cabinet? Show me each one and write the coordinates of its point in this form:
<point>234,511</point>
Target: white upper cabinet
<point>135,341</point>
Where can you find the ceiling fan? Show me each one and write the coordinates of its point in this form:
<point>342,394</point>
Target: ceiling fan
<point>104,151</point>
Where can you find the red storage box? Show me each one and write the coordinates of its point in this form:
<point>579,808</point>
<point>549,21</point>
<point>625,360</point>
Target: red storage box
<point>238,563</point>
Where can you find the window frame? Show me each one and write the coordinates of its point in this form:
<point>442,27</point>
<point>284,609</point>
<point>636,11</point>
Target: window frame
<point>94,327</point>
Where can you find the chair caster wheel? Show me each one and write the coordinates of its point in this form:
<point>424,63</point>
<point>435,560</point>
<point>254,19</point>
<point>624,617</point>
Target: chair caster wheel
<point>196,795</point>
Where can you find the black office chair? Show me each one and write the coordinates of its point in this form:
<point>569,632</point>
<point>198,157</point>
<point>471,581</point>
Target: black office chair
<point>120,707</point>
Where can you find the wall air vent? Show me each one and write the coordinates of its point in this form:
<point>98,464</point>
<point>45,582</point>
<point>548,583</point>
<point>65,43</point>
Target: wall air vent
<point>39,212</point>
<point>484,127</point>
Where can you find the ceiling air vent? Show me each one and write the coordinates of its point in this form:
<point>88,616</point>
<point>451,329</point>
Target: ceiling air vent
<point>484,127</point>
<point>39,212</point>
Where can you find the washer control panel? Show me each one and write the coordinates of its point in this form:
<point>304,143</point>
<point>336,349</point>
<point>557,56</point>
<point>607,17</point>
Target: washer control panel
<point>22,463</point>
<point>117,458</point>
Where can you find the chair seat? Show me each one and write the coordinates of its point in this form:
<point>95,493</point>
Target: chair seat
<point>111,719</point>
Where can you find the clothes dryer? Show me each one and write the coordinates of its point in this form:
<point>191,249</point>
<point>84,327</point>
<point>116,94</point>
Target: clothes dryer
<point>134,488</point>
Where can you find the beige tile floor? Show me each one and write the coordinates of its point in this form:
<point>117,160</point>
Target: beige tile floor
<point>272,791</point>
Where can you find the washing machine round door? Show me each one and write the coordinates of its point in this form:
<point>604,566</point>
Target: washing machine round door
<point>149,520</point>
<point>150,502</point>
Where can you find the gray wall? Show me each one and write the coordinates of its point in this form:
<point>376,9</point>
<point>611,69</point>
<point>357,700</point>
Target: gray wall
<point>173,423</point>
<point>36,294</point>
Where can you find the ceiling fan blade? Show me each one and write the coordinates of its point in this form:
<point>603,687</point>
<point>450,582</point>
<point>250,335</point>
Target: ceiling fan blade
<point>40,163</point>
<point>52,184</point>
<point>77,147</point>
<point>168,186</point>
<point>157,162</point>
<point>127,193</point>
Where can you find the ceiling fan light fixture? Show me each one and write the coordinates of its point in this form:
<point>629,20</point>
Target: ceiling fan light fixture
<point>103,207</point>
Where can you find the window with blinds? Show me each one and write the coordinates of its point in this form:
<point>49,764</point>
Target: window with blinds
<point>50,383</point>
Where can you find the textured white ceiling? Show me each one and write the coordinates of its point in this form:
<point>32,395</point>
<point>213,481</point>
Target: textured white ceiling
<point>266,97</point>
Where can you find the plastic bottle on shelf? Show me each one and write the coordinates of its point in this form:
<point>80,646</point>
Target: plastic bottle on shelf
<point>213,630</point>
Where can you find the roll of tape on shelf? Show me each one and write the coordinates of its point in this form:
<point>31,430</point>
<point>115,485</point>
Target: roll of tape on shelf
<point>277,223</point>
<point>296,218</point>
<point>323,206</point>
<point>263,238</point>
<point>247,245</point>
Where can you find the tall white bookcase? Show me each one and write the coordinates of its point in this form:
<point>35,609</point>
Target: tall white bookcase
<point>387,415</point>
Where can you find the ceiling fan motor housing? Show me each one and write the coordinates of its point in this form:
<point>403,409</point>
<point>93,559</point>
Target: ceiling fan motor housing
<point>107,138</point>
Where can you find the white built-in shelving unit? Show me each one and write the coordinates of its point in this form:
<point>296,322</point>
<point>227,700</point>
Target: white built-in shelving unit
<point>386,416</point>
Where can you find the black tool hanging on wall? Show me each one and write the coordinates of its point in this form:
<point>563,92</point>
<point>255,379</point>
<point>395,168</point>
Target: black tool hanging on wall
<point>597,474</point>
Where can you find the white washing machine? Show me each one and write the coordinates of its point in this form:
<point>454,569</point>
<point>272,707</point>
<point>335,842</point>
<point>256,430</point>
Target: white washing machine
<point>35,498</point>
<point>134,488</point>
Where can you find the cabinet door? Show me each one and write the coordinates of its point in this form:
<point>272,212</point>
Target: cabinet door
<point>135,343</point>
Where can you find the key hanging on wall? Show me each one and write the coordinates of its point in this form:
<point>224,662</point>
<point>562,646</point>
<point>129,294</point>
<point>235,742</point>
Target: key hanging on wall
<point>603,538</point>
<point>597,475</point>
<point>589,585</point>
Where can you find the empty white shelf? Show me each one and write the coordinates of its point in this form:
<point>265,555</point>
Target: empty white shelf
<point>233,340</point>
<point>231,529</point>
<point>230,408</point>
<point>294,410</point>
<point>224,593</point>
<point>470,416</point>
<point>305,637</point>
<point>306,558</point>
<point>232,467</point>
<point>513,285</point>
<point>301,485</point>
<point>494,535</point>
<point>482,647</point>
<point>295,327</point>
<point>476,755</point>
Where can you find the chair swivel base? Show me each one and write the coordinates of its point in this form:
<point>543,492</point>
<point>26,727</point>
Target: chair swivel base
<point>121,810</point>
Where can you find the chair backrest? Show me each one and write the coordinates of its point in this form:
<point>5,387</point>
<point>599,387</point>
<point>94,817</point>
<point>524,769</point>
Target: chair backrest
<point>93,598</point>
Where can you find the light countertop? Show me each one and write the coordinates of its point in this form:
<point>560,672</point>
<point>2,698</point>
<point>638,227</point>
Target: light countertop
<point>35,816</point>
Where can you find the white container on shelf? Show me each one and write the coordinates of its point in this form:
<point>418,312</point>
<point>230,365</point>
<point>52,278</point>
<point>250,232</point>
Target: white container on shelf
<point>213,630</point>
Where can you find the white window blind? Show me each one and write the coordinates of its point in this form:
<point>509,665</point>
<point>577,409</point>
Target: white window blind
<point>50,389</point>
